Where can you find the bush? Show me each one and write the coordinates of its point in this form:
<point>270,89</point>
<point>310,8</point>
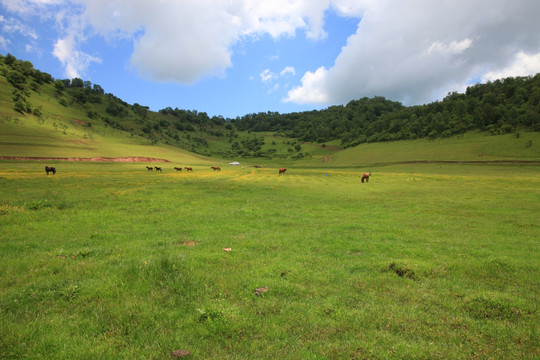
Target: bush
<point>506,129</point>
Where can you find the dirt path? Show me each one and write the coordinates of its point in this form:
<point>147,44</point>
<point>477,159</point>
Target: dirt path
<point>98,159</point>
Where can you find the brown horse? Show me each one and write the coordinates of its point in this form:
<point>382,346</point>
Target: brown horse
<point>189,169</point>
<point>149,168</point>
<point>50,169</point>
<point>158,169</point>
<point>215,168</point>
<point>366,176</point>
<point>282,171</point>
<point>178,169</point>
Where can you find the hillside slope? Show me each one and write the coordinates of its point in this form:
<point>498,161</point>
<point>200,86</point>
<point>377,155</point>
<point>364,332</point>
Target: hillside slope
<point>472,147</point>
<point>43,117</point>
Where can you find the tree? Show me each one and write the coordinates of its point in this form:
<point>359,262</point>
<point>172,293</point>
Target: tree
<point>16,79</point>
<point>59,86</point>
<point>77,83</point>
<point>98,89</point>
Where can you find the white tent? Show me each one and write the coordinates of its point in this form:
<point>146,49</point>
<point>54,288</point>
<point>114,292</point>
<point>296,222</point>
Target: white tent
<point>234,163</point>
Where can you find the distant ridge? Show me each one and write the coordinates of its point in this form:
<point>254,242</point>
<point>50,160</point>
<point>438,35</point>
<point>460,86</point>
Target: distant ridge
<point>98,159</point>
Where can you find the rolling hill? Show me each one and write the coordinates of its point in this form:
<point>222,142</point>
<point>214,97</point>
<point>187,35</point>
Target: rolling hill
<point>45,118</point>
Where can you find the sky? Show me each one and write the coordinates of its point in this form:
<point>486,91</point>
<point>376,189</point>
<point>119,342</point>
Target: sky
<point>235,57</point>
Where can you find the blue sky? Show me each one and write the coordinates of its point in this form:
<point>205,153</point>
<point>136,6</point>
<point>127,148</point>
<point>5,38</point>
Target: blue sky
<point>236,57</point>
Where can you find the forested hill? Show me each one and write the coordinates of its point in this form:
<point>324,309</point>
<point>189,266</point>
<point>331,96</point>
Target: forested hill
<point>501,106</point>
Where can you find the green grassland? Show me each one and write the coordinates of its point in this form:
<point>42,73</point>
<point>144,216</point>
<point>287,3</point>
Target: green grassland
<point>60,123</point>
<point>470,147</point>
<point>31,136</point>
<point>27,137</point>
<point>426,261</point>
<point>437,257</point>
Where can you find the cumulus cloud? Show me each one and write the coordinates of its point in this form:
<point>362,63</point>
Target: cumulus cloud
<point>188,40</point>
<point>522,65</point>
<point>184,41</point>
<point>312,90</point>
<point>74,61</point>
<point>418,51</point>
<point>411,51</point>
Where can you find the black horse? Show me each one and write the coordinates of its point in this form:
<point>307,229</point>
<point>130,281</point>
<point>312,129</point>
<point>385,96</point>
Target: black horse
<point>158,168</point>
<point>49,169</point>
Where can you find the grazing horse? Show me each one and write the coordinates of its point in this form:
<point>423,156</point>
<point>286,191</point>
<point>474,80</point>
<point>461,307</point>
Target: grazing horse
<point>150,168</point>
<point>282,171</point>
<point>158,169</point>
<point>215,168</point>
<point>50,169</point>
<point>189,169</point>
<point>178,169</point>
<point>366,176</point>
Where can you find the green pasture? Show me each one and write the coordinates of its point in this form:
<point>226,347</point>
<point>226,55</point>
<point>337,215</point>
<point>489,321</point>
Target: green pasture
<point>26,137</point>
<point>472,146</point>
<point>426,261</point>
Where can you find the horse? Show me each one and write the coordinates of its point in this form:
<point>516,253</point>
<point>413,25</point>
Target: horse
<point>158,169</point>
<point>188,168</point>
<point>282,171</point>
<point>149,168</point>
<point>215,168</point>
<point>50,169</point>
<point>366,176</point>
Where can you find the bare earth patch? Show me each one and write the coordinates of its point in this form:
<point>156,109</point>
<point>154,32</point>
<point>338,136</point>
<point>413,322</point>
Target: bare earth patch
<point>98,159</point>
<point>188,243</point>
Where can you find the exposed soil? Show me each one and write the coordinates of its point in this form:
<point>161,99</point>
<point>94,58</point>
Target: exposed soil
<point>470,162</point>
<point>80,122</point>
<point>97,159</point>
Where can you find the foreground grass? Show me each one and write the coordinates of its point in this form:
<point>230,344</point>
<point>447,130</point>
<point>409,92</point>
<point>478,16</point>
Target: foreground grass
<point>109,261</point>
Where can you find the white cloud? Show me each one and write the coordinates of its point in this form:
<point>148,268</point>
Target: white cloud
<point>11,25</point>
<point>184,41</point>
<point>288,70</point>
<point>455,47</point>
<point>188,40</point>
<point>3,43</point>
<point>28,7</point>
<point>523,65</point>
<point>312,90</point>
<point>418,51</point>
<point>75,62</point>
<point>411,51</point>
<point>266,75</point>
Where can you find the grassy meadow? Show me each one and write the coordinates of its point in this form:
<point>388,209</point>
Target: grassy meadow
<point>470,147</point>
<point>426,261</point>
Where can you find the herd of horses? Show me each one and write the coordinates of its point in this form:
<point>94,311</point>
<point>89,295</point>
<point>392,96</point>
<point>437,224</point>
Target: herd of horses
<point>50,169</point>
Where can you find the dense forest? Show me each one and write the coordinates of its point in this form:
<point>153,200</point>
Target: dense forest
<point>502,106</point>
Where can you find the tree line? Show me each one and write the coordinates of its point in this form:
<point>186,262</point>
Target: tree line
<point>501,106</point>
